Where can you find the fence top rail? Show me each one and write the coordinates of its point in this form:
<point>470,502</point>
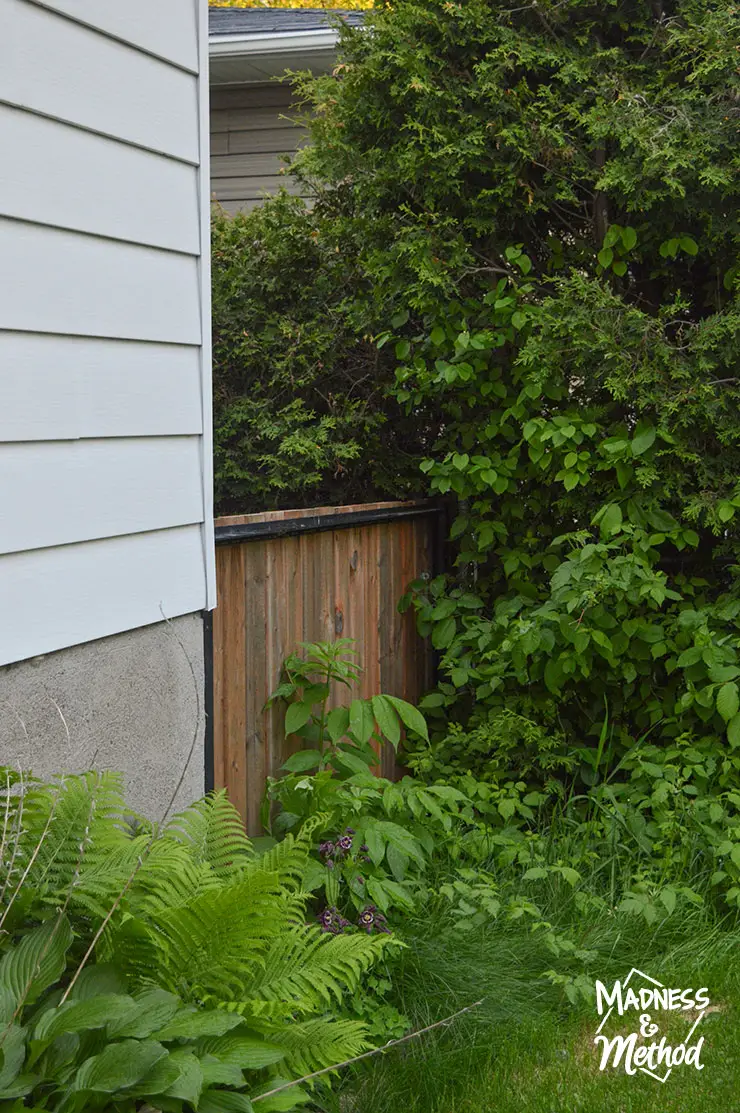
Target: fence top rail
<point>287,523</point>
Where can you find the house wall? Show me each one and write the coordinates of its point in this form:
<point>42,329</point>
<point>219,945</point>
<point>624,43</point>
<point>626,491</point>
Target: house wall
<point>249,137</point>
<point>105,421</point>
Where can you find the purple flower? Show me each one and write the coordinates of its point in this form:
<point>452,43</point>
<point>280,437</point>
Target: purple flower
<point>330,865</point>
<point>349,830</point>
<point>326,849</point>
<point>344,843</point>
<point>364,848</point>
<point>332,920</point>
<point>371,920</point>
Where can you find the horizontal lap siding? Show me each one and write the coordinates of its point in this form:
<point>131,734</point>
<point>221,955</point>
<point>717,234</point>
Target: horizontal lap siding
<point>63,282</point>
<point>98,488</point>
<point>251,135</point>
<point>62,387</point>
<point>104,379</point>
<point>61,69</point>
<point>137,196</point>
<point>50,595</point>
<point>166,28</point>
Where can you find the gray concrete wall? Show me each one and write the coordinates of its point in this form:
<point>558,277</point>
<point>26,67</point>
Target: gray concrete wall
<point>132,702</point>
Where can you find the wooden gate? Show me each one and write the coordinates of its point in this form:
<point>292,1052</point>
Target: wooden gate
<point>286,577</point>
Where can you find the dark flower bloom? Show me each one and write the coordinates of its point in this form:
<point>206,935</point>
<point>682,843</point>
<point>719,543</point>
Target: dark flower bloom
<point>364,848</point>
<point>326,849</point>
<point>344,843</point>
<point>360,880</point>
<point>372,920</point>
<point>330,865</point>
<point>332,920</point>
<point>349,830</point>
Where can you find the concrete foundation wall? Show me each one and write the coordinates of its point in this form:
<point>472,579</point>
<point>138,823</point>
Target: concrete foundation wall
<point>133,702</point>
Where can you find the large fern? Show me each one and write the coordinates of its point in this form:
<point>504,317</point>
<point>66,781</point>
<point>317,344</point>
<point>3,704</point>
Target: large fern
<point>190,909</point>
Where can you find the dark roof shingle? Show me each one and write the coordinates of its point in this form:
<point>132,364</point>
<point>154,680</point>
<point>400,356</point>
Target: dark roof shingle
<point>271,21</point>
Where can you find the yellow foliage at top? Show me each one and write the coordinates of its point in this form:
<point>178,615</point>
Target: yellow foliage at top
<point>346,5</point>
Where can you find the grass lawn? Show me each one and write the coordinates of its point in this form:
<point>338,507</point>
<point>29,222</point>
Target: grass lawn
<point>527,1052</point>
<point>550,1067</point>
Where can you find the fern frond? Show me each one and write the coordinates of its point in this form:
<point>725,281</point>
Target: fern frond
<point>307,970</point>
<point>318,1043</point>
<point>217,941</point>
<point>213,832</point>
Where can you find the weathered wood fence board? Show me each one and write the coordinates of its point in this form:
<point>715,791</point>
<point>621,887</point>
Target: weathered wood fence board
<point>340,576</point>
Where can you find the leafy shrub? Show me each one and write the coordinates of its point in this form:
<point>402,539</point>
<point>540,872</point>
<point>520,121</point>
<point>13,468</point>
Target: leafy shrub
<point>374,836</point>
<point>543,203</point>
<point>161,965</point>
<point>301,414</point>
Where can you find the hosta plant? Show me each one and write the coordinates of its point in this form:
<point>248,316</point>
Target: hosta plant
<point>170,968</point>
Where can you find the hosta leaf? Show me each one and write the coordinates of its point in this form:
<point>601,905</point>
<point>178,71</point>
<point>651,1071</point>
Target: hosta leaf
<point>12,1055</point>
<point>151,1009</point>
<point>216,1073</point>
<point>22,1085</point>
<point>38,961</point>
<point>159,1079</point>
<point>119,1066</point>
<point>190,1080</point>
<point>101,978</point>
<point>246,1052</point>
<point>190,1024</point>
<point>79,1016</point>
<point>387,718</point>
<point>224,1101</point>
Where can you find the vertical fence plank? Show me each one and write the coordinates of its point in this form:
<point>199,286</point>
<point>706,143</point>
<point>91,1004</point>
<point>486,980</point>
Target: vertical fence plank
<point>276,592</point>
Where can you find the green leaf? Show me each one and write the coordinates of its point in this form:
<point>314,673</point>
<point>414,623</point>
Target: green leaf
<point>620,268</point>
<point>726,511</point>
<point>361,719</point>
<point>728,700</point>
<point>402,349</point>
<point>605,257</point>
<point>733,731</point>
<point>438,335</point>
<point>224,1101</point>
<point>118,1066</point>
<point>689,245</point>
<point>190,1024</point>
<point>535,873</point>
<point>245,1052</point>
<point>13,1054</point>
<point>611,520</point>
<point>410,716</point>
<point>337,723</point>
<point>302,761</point>
<point>387,719</point>
<point>629,238</point>
<point>79,1016</point>
<point>443,633</point>
<point>38,961</point>
<point>518,319</point>
<point>296,717</point>
<point>152,1008</point>
<point>189,1082</point>
<point>643,439</point>
<point>668,897</point>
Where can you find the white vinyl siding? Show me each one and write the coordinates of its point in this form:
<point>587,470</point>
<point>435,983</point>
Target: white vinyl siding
<point>61,589</point>
<point>62,387</point>
<point>139,196</point>
<point>105,441</point>
<point>252,134</point>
